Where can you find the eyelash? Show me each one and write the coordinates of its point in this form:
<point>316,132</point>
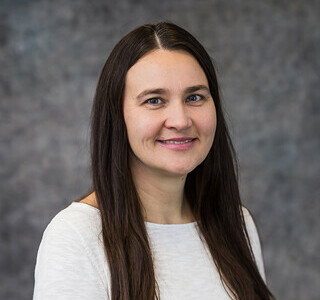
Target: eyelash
<point>201,98</point>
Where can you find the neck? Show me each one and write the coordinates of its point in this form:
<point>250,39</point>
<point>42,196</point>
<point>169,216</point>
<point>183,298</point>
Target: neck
<point>162,196</point>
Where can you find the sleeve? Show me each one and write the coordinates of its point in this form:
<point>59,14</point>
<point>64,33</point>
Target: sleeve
<point>255,241</point>
<point>63,270</point>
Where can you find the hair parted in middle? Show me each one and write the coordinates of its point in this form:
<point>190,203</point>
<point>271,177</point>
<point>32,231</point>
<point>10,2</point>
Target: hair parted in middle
<point>211,189</point>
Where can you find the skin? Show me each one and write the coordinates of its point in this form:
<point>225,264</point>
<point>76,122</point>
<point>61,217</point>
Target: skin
<point>160,173</point>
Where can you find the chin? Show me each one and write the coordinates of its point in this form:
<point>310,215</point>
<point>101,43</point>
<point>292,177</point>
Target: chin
<point>179,171</point>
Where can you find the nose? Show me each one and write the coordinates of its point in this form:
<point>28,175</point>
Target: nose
<point>177,116</point>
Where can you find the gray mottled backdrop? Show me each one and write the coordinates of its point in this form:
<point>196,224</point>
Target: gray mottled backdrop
<point>267,57</point>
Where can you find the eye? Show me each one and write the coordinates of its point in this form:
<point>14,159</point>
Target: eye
<point>152,101</point>
<point>194,97</point>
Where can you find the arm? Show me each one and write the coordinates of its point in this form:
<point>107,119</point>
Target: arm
<point>63,269</point>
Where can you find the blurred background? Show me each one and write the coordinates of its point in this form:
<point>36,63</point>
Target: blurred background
<point>267,58</point>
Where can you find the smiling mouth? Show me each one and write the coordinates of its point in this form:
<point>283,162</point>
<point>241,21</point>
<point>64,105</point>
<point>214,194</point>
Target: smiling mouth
<point>177,142</point>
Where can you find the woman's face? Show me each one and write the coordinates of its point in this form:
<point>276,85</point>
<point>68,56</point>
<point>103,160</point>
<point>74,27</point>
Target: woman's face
<point>172,112</point>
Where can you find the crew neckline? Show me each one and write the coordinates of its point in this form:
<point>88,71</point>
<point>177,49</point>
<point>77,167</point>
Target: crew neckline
<point>150,224</point>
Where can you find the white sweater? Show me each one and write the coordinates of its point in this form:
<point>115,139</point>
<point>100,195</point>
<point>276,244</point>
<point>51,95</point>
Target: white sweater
<point>71,263</point>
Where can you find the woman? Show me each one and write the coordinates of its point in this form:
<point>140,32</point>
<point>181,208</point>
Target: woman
<point>164,218</point>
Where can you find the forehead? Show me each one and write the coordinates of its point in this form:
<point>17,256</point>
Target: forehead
<point>165,68</point>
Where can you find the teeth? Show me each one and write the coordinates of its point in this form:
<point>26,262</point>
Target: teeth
<point>173,142</point>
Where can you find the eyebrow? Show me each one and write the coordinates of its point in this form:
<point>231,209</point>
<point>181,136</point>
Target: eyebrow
<point>162,91</point>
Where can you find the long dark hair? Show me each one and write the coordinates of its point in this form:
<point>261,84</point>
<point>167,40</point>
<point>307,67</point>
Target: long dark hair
<point>211,188</point>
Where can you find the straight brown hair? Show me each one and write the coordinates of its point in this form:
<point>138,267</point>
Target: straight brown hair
<point>211,188</point>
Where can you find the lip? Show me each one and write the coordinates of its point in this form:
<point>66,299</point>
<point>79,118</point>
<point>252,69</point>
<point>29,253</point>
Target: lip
<point>179,147</point>
<point>179,139</point>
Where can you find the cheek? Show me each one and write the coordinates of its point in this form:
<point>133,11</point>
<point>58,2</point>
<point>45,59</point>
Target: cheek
<point>141,127</point>
<point>208,123</point>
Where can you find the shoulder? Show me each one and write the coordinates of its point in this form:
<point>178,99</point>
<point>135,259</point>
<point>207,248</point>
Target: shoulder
<point>246,212</point>
<point>248,218</point>
<point>73,227</point>
<point>250,225</point>
<point>69,256</point>
<point>254,240</point>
